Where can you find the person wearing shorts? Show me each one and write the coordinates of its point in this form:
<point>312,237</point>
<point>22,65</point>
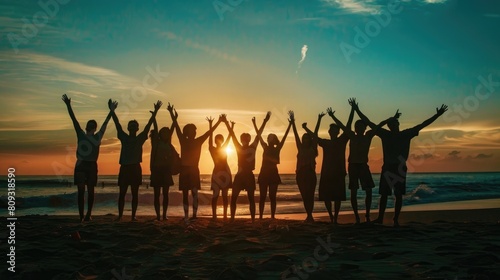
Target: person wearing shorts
<point>244,178</point>
<point>87,153</point>
<point>221,180</point>
<point>189,176</point>
<point>162,153</point>
<point>269,177</point>
<point>396,148</point>
<point>130,160</point>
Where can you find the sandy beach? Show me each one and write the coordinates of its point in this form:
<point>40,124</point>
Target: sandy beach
<point>436,244</point>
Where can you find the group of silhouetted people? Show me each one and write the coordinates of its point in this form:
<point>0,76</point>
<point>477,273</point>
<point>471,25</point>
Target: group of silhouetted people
<point>165,162</point>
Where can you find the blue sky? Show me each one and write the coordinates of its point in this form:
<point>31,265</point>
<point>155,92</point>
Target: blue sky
<point>243,60</point>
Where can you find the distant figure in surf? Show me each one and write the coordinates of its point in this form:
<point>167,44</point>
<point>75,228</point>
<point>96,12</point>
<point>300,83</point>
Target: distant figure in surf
<point>332,180</point>
<point>245,179</point>
<point>162,153</point>
<point>269,177</point>
<point>396,148</point>
<point>87,153</point>
<point>130,159</point>
<point>189,177</point>
<point>221,175</point>
<point>305,172</point>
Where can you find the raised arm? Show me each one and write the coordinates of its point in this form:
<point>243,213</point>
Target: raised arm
<point>174,115</point>
<point>439,111</point>
<point>230,129</point>
<point>351,117</point>
<point>262,143</point>
<point>318,123</point>
<point>67,101</point>
<point>295,133</point>
<point>210,137</point>
<point>157,107</point>
<point>119,129</point>
<point>112,105</point>
<point>228,138</point>
<point>331,113</point>
<point>355,106</point>
<point>261,129</point>
<point>283,140</point>
<point>211,130</point>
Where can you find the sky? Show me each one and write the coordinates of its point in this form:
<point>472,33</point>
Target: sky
<point>245,58</point>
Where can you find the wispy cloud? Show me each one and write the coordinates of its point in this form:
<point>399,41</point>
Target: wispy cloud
<point>354,6</point>
<point>199,46</point>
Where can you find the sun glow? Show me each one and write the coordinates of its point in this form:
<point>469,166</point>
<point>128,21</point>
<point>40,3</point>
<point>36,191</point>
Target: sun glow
<point>229,150</point>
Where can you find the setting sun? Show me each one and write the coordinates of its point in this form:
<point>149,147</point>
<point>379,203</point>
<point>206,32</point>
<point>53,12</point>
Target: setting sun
<point>229,150</point>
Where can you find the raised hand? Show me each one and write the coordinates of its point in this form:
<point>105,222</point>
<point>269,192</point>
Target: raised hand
<point>353,103</point>
<point>268,116</point>
<point>232,124</point>
<point>253,120</point>
<point>66,99</point>
<point>223,118</point>
<point>112,105</point>
<point>321,115</point>
<point>170,107</point>
<point>397,115</point>
<point>174,114</point>
<point>158,105</point>
<point>440,111</point>
<point>291,114</point>
<point>330,111</point>
<point>210,120</point>
<point>304,125</point>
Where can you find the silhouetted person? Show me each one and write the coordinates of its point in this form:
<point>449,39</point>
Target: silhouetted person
<point>269,177</point>
<point>130,159</point>
<point>162,153</point>
<point>305,172</point>
<point>358,169</point>
<point>87,152</point>
<point>396,148</point>
<point>245,179</point>
<point>332,180</point>
<point>189,177</point>
<point>221,174</point>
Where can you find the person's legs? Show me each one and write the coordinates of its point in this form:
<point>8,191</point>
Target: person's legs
<point>397,208</point>
<point>194,193</point>
<point>224,201</point>
<point>185,202</point>
<point>215,197</point>
<point>157,202</point>
<point>135,200</point>
<point>328,205</point>
<point>251,201</point>
<point>262,198</point>
<point>354,204</point>
<point>273,189</point>
<point>81,199</point>
<point>90,202</point>
<point>381,209</point>
<point>234,198</point>
<point>121,200</point>
<point>337,210</point>
<point>368,203</point>
<point>165,202</point>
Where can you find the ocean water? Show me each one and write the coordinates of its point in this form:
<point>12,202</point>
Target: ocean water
<point>58,196</point>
